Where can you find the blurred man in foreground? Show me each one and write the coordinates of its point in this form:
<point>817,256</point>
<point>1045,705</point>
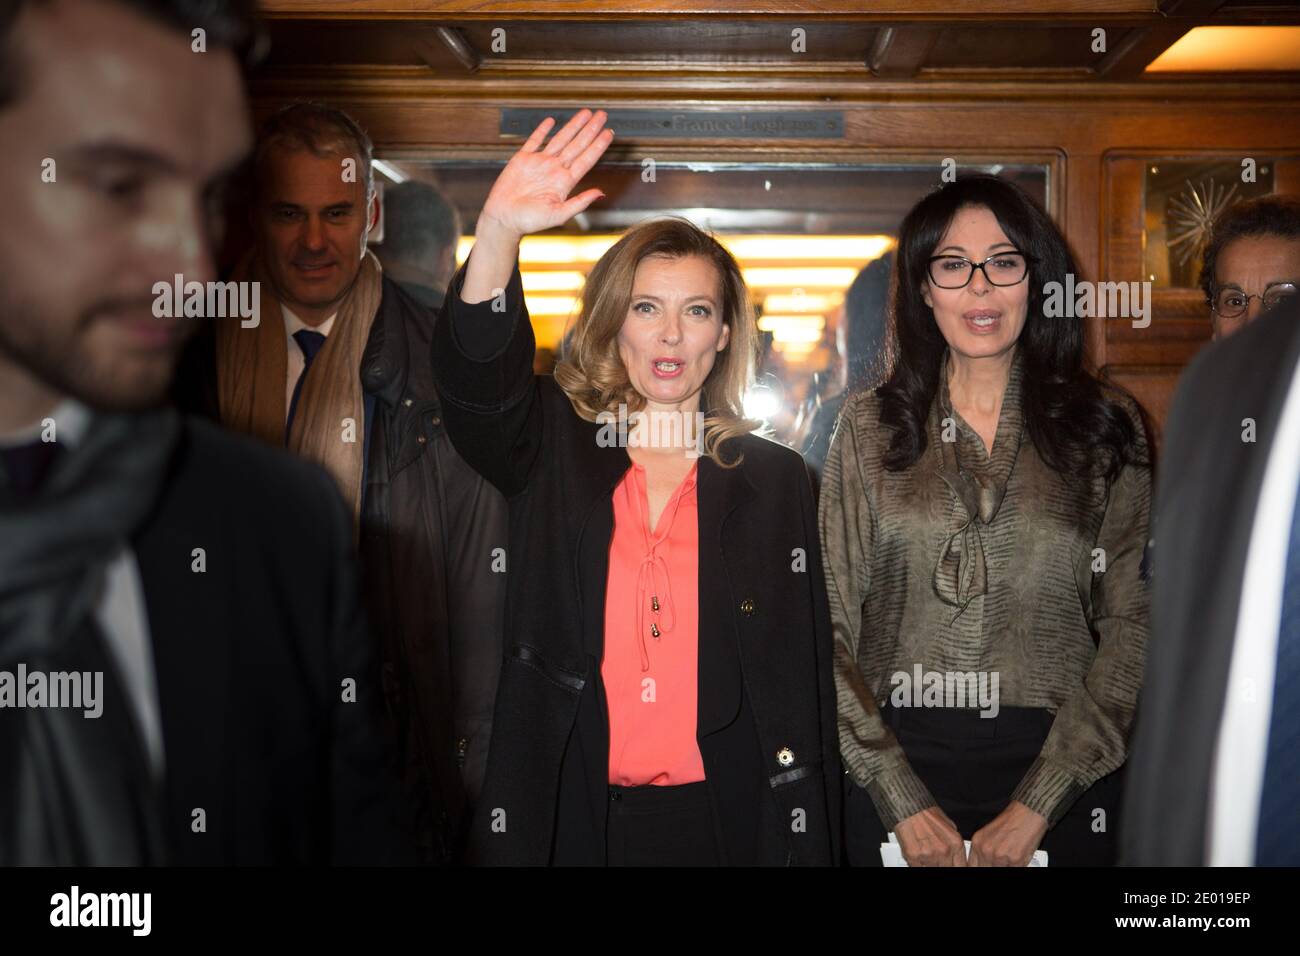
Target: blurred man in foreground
<point>1214,776</point>
<point>185,676</point>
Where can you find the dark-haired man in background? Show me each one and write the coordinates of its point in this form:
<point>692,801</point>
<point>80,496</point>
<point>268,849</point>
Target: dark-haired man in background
<point>201,584</point>
<point>421,232</point>
<point>860,339</point>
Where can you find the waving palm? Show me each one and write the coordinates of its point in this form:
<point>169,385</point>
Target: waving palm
<point>531,193</point>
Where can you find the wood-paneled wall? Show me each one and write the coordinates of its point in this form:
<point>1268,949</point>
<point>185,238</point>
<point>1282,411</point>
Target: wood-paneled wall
<point>1094,136</point>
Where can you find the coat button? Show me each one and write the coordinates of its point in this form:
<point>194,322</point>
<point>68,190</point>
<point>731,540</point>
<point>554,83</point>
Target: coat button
<point>747,607</point>
<point>785,756</point>
<point>421,439</point>
<point>408,402</point>
<point>435,420</point>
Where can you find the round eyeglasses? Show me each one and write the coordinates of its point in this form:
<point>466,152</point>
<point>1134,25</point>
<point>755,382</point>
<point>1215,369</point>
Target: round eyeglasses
<point>1231,303</point>
<point>955,272</point>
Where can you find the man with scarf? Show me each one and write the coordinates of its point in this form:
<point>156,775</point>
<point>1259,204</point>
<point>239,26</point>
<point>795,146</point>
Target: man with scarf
<point>338,370</point>
<point>203,581</point>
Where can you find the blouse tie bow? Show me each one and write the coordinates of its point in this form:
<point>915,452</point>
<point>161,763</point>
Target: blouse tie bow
<point>654,596</point>
<point>961,573</point>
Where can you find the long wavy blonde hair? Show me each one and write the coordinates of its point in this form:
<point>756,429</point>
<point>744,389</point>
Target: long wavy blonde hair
<point>591,371</point>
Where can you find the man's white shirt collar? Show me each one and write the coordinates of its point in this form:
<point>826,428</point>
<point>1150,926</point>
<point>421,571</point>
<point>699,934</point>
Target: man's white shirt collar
<point>70,417</point>
<point>293,324</point>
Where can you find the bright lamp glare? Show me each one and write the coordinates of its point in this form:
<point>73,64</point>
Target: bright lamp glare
<point>762,403</point>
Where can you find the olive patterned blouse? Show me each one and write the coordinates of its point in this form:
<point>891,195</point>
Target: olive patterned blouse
<point>969,562</point>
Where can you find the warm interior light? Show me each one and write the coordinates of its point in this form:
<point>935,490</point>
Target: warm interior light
<point>797,279</point>
<point>1231,49</point>
<point>809,277</point>
<point>551,304</point>
<point>797,350</point>
<point>553,281</point>
<point>798,301</point>
<point>793,328</point>
<point>786,248</point>
<point>563,249</point>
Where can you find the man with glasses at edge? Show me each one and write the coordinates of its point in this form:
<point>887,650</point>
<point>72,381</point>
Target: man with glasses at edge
<point>1252,261</point>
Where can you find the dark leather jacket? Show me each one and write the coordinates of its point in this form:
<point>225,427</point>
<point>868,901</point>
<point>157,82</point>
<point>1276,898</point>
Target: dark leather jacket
<point>432,533</point>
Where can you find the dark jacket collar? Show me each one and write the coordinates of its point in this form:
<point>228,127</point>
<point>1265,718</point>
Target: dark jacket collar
<point>719,492</point>
<point>385,361</point>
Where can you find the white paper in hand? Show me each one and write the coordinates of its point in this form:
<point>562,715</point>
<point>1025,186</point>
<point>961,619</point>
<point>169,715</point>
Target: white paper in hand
<point>891,854</point>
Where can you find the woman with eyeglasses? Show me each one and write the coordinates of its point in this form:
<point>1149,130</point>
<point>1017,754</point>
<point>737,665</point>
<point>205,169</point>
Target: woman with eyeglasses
<point>983,518</point>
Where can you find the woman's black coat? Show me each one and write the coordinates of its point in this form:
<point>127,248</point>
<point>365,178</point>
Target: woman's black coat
<point>766,721</point>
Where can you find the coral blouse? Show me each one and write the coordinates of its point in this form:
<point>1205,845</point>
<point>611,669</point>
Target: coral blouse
<point>651,663</point>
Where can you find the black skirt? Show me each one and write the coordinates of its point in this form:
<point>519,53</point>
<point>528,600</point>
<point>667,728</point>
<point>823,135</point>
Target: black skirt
<point>661,826</point>
<point>972,765</point>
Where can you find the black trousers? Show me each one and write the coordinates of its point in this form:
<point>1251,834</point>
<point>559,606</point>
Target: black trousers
<point>661,826</point>
<point>971,765</point>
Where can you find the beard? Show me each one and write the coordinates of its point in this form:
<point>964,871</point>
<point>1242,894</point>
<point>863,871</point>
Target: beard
<point>66,356</point>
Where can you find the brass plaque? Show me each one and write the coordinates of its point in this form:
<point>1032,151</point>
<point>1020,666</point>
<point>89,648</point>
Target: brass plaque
<point>695,124</point>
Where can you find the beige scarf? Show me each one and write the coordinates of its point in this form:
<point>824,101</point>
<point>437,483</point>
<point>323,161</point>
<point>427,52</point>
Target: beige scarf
<point>329,424</point>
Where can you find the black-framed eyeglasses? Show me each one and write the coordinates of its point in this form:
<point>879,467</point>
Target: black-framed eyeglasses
<point>1231,303</point>
<point>955,272</point>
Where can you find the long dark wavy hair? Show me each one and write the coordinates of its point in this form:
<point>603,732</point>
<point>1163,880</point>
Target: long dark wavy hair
<point>1075,428</point>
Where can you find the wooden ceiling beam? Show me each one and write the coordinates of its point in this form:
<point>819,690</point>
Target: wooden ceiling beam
<point>900,52</point>
<point>1138,49</point>
<point>460,47</point>
<point>1142,46</point>
<point>881,12</point>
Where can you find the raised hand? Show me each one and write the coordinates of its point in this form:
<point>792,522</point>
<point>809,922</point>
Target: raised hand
<point>532,194</point>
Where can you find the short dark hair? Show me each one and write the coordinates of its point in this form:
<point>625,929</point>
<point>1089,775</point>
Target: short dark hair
<point>419,222</point>
<point>1253,218</point>
<point>227,23</point>
<point>866,321</point>
<point>319,129</point>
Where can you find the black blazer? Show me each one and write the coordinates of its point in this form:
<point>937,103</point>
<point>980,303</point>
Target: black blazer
<point>764,639</point>
<point>250,657</point>
<point>1206,495</point>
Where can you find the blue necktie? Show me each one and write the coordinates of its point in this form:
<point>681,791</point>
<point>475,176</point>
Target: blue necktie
<point>311,343</point>
<point>1278,839</point>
